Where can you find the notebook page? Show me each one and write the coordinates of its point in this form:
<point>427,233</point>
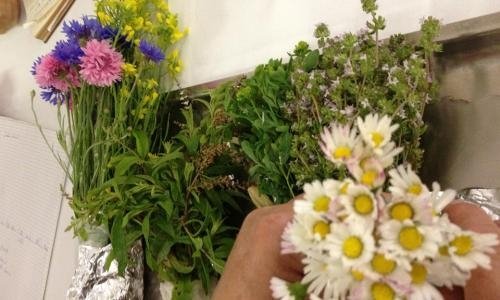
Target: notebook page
<point>30,203</point>
<point>36,9</point>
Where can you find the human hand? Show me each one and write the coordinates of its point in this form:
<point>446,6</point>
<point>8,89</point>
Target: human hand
<point>256,256</point>
<point>483,284</point>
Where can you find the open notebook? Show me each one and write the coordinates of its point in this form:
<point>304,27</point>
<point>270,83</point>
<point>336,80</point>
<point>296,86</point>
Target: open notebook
<point>30,205</point>
<point>45,15</point>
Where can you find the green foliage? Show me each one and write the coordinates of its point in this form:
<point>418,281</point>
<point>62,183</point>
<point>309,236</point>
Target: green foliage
<point>263,133</point>
<point>279,111</point>
<point>185,202</point>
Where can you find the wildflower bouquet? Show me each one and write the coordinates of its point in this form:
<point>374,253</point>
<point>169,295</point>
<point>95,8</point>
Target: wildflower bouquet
<point>107,79</point>
<point>279,111</point>
<point>361,242</point>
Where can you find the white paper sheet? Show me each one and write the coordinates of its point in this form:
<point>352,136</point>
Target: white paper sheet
<point>36,9</point>
<point>30,204</point>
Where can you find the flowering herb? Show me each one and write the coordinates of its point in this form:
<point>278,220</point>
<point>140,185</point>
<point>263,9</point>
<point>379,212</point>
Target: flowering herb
<point>361,243</point>
<point>348,76</point>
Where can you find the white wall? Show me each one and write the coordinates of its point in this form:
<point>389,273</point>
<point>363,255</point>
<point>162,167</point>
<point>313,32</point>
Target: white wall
<point>227,37</point>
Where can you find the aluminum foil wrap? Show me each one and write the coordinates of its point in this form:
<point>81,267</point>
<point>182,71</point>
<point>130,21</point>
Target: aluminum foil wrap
<point>92,281</point>
<point>487,199</point>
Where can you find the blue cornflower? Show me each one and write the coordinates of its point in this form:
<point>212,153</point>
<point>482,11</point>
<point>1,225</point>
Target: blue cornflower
<point>53,96</point>
<point>88,29</point>
<point>73,30</point>
<point>68,51</point>
<point>151,51</point>
<point>34,65</point>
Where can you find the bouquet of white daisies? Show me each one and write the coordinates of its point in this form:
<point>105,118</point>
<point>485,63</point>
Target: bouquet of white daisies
<point>361,242</point>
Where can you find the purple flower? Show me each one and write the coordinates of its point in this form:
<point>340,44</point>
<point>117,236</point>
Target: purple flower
<point>68,51</point>
<point>151,51</point>
<point>53,95</point>
<point>88,29</point>
<point>35,64</point>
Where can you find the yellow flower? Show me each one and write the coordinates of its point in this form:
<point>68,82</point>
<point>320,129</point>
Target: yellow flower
<point>129,69</point>
<point>160,17</point>
<point>177,35</point>
<point>171,21</point>
<point>151,84</point>
<point>174,63</point>
<point>138,23</point>
<point>128,32</point>
<point>130,5</point>
<point>104,18</point>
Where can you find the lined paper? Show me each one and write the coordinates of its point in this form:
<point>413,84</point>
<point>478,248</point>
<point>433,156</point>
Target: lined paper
<point>30,204</point>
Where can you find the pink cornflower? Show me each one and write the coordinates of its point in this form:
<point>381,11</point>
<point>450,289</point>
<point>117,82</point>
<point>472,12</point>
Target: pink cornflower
<point>100,64</point>
<point>53,73</point>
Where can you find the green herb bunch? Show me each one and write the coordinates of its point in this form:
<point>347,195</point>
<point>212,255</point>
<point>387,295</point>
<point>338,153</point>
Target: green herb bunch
<point>185,201</point>
<point>345,77</point>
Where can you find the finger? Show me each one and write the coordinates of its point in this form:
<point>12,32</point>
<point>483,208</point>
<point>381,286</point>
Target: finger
<point>470,217</point>
<point>457,293</point>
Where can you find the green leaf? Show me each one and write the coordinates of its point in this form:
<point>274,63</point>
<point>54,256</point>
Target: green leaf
<point>119,244</point>
<point>181,267</point>
<point>146,228</point>
<point>245,146</point>
<point>124,164</point>
<point>311,61</point>
<point>141,143</point>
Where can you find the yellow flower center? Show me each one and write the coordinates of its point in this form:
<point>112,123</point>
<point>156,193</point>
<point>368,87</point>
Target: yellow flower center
<point>382,291</point>
<point>368,177</point>
<point>363,204</point>
<point>377,138</point>
<point>342,152</point>
<point>415,189</point>
<point>357,275</point>
<point>418,273</point>
<point>443,250</point>
<point>352,247</point>
<point>410,238</point>
<point>322,228</point>
<point>463,244</point>
<point>401,211</point>
<point>382,265</point>
<point>321,203</point>
<point>343,188</point>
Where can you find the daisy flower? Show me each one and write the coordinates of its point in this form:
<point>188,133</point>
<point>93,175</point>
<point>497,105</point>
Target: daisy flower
<point>283,290</point>
<point>319,198</point>
<point>337,143</point>
<point>359,204</point>
<point>421,288</point>
<point>306,233</point>
<point>383,267</point>
<point>442,271</point>
<point>440,199</point>
<point>388,153</point>
<point>101,64</point>
<point>352,243</point>
<point>404,182</point>
<point>406,239</point>
<point>468,249</point>
<point>320,274</point>
<point>377,290</point>
<point>375,131</point>
<point>368,171</point>
<point>416,209</point>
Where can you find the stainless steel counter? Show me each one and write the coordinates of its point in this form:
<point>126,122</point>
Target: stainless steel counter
<point>463,140</point>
